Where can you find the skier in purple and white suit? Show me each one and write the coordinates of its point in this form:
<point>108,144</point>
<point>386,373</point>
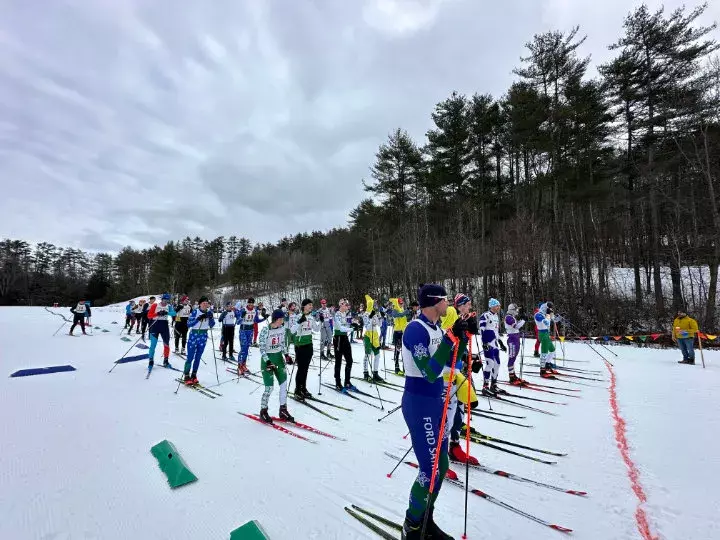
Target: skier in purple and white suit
<point>512,327</point>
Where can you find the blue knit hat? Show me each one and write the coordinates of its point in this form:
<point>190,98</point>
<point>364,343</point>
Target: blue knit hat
<point>461,299</point>
<point>278,314</point>
<point>494,302</point>
<point>431,294</point>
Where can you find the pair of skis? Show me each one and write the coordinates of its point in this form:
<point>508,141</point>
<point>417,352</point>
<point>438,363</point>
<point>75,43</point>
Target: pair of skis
<point>296,424</point>
<point>204,390</point>
<point>494,500</point>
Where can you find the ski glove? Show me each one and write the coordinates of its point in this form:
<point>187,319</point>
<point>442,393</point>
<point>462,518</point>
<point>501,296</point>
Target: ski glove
<point>486,347</point>
<point>269,366</point>
<point>502,345</point>
<point>288,360</point>
<point>302,319</point>
<point>322,317</point>
<point>372,314</point>
<point>460,328</point>
<point>161,312</point>
<point>472,325</point>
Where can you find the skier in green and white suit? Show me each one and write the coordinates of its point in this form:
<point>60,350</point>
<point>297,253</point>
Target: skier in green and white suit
<point>273,349</point>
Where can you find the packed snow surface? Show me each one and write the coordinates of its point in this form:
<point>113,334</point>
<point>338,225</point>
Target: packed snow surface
<point>76,463</point>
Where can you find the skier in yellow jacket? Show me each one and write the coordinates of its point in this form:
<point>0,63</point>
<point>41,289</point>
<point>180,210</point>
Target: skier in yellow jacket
<point>684,330</point>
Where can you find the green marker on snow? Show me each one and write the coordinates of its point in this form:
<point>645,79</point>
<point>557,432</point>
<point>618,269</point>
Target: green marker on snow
<point>250,531</point>
<point>172,464</point>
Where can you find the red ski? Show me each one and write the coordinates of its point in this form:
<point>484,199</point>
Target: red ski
<point>279,428</point>
<point>309,428</point>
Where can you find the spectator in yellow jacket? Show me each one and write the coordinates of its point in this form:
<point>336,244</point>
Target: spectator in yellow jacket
<point>684,330</point>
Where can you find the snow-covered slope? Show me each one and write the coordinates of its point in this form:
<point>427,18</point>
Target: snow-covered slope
<point>75,461</point>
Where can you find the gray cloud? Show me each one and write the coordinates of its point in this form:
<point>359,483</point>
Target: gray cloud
<point>143,121</point>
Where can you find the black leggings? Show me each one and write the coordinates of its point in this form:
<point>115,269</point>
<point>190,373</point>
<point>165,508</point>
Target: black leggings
<point>181,331</point>
<point>397,343</point>
<point>341,345</point>
<point>228,338</point>
<point>78,319</point>
<point>303,356</point>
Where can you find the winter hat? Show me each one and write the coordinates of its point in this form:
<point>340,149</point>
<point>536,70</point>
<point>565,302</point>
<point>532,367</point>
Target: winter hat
<point>414,304</point>
<point>184,299</point>
<point>278,314</point>
<point>494,302</point>
<point>323,302</point>
<point>461,299</point>
<point>251,300</point>
<point>203,299</point>
<point>512,309</point>
<point>431,294</point>
<point>165,296</point>
<point>228,304</point>
<point>305,302</point>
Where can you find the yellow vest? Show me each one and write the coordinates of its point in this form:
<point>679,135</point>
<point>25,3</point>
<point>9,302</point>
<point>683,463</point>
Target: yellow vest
<point>400,323</point>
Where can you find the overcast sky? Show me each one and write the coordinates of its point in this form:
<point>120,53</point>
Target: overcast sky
<point>135,122</point>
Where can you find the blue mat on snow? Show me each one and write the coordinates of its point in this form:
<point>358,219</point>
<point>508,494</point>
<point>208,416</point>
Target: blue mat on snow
<point>132,359</point>
<point>42,371</point>
<point>142,346</point>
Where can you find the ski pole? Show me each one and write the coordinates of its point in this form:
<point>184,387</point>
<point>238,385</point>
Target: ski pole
<point>212,337</point>
<point>389,475</point>
<point>441,438</point>
<point>467,433</point>
<point>702,356</point>
<point>124,355</point>
<point>388,414</point>
<point>584,332</point>
<point>63,324</point>
<point>522,354</point>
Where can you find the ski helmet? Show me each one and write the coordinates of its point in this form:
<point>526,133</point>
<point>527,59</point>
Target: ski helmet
<point>512,309</point>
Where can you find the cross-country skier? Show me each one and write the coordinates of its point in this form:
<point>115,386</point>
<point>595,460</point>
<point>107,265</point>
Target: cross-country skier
<point>371,324</point>
<point>248,317</point>
<point>400,321</point>
<point>536,352</point>
<point>463,305</point>
<point>183,311</point>
<point>427,353</point>
<point>261,310</point>
<point>145,316</point>
<point>228,319</point>
<point>129,314</point>
<point>302,331</point>
<point>543,322</point>
<point>512,327</point>
<point>79,313</point>
<point>201,320</point>
<point>160,314</point>
<point>341,344</point>
<point>137,316</point>
<point>383,327</point>
<point>326,331</point>
<point>272,365</point>
<point>489,332</point>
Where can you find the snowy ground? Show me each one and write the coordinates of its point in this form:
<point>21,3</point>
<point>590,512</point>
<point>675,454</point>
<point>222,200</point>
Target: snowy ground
<point>76,463</point>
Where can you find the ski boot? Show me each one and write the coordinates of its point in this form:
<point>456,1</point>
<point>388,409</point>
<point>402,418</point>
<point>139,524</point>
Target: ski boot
<point>224,358</point>
<point>397,368</point>
<point>322,356</point>
<point>186,379</point>
<point>350,386</point>
<point>306,394</point>
<point>183,352</point>
<point>456,453</point>
<point>151,363</point>
<point>177,350</point>
<point>284,414</point>
<point>497,391</point>
<point>517,381</point>
<point>330,355</point>
<point>432,531</point>
<point>536,354</point>
<point>299,395</point>
<point>366,376</point>
<point>487,391</point>
<point>339,387</point>
<point>265,417</point>
<point>166,362</point>
<point>545,374</point>
<point>193,378</point>
<point>377,378</point>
